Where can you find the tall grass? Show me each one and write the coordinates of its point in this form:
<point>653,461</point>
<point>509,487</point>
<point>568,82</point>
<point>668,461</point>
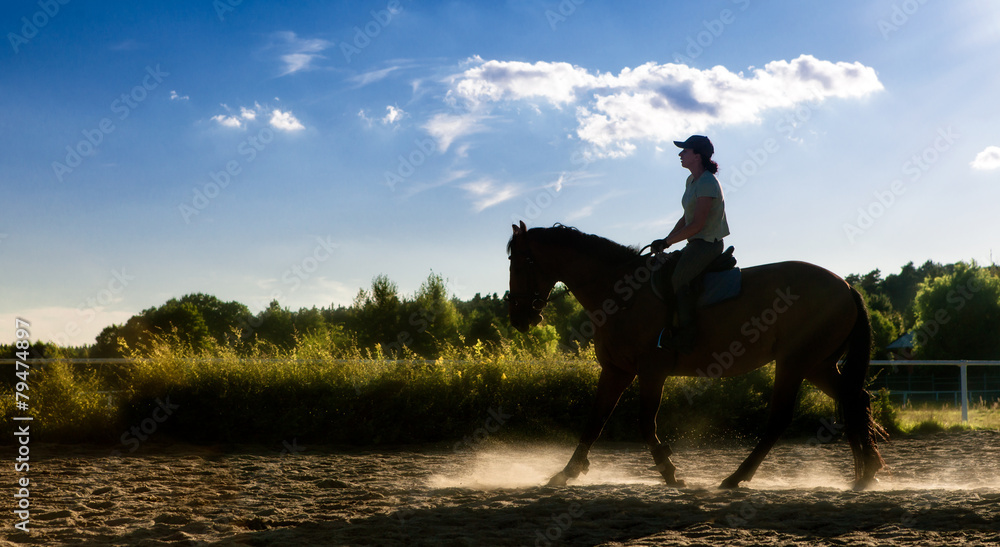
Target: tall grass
<point>936,417</point>
<point>321,394</point>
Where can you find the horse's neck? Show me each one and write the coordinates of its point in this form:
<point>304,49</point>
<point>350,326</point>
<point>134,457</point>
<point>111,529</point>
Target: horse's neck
<point>590,282</point>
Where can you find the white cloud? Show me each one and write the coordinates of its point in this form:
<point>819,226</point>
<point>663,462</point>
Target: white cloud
<point>447,179</point>
<point>300,53</point>
<point>445,128</point>
<point>653,102</point>
<point>486,193</point>
<point>393,115</point>
<point>280,120</point>
<point>495,80</point>
<point>988,159</point>
<point>558,184</point>
<point>583,212</point>
<point>175,97</point>
<point>364,117</point>
<point>285,121</point>
<point>371,77</point>
<point>588,210</point>
<point>228,121</point>
<point>237,120</point>
<point>295,62</point>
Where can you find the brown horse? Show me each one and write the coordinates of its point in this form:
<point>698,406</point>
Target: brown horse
<point>800,316</point>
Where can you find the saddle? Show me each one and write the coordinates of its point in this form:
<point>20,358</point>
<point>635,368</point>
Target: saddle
<point>721,280</point>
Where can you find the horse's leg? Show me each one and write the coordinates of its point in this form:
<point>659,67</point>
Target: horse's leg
<point>787,380</point>
<point>855,406</point>
<point>650,394</point>
<point>862,431</point>
<point>610,387</point>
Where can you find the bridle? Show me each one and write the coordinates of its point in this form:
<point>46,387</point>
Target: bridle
<point>537,303</point>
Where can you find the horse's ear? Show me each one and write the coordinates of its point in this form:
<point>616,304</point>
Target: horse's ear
<point>523,227</point>
<point>514,226</point>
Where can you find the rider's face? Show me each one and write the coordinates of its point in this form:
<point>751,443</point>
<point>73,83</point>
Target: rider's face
<point>689,158</point>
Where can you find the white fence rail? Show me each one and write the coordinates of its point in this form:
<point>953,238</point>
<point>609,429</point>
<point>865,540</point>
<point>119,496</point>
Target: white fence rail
<point>963,375</point>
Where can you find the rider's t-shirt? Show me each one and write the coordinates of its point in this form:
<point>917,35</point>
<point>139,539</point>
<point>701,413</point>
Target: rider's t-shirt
<point>707,185</point>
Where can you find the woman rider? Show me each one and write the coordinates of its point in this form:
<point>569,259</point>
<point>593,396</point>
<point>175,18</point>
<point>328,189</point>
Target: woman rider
<point>703,225</point>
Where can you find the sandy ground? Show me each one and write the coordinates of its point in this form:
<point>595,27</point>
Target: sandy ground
<point>941,490</point>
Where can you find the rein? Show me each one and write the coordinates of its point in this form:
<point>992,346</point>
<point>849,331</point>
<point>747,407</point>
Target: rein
<point>536,301</point>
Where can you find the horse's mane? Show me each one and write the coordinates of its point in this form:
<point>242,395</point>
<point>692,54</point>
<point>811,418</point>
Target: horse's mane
<point>567,236</point>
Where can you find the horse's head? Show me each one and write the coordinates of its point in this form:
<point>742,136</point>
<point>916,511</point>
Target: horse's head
<point>529,286</point>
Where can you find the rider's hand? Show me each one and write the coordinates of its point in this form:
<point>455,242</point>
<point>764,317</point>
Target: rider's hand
<point>658,246</point>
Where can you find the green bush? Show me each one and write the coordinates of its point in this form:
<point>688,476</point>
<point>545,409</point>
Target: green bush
<point>884,412</point>
<point>317,394</point>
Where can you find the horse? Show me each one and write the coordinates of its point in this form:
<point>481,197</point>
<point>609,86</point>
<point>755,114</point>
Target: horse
<point>798,315</point>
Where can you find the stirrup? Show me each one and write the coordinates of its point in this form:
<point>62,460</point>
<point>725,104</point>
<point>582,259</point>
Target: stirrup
<point>672,339</point>
<point>667,338</point>
<point>660,339</point>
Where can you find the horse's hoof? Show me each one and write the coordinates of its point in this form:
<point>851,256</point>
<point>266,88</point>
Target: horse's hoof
<point>864,484</point>
<point>676,483</point>
<point>730,484</point>
<point>559,479</point>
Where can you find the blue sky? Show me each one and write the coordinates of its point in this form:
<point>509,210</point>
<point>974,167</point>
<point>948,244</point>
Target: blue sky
<point>294,151</point>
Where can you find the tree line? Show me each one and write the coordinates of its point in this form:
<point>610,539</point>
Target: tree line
<point>952,312</point>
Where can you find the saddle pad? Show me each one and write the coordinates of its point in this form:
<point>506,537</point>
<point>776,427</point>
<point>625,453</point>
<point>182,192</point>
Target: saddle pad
<point>720,286</point>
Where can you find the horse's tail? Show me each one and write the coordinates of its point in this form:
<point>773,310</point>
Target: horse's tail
<point>859,347</point>
<point>855,402</point>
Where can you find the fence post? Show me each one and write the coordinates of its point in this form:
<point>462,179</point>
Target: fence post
<point>965,394</point>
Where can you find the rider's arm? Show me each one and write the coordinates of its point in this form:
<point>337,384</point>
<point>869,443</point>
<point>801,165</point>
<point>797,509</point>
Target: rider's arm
<point>682,232</point>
